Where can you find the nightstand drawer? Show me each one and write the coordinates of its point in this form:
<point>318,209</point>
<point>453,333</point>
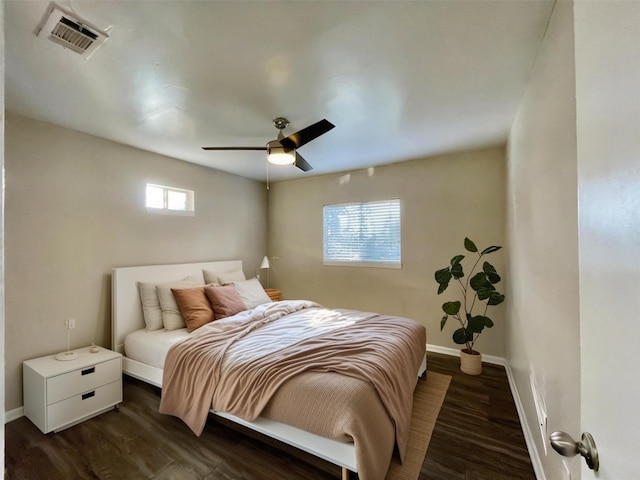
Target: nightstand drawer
<point>82,380</point>
<point>85,404</point>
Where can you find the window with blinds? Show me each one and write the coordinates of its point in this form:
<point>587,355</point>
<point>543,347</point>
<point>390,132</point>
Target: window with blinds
<point>362,234</point>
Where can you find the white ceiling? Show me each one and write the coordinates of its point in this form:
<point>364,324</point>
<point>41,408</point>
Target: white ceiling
<point>399,79</point>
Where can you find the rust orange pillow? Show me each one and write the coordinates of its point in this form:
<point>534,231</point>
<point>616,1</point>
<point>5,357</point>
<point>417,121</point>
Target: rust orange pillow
<point>194,306</point>
<point>225,301</point>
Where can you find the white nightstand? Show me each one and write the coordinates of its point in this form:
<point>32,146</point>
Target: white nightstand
<point>59,394</point>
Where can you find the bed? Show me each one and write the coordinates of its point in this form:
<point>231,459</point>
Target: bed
<point>151,349</point>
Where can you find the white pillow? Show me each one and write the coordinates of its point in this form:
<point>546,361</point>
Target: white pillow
<point>171,316</point>
<point>223,277</point>
<point>251,292</point>
<point>151,308</point>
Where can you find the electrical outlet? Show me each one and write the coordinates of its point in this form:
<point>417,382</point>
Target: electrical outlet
<point>71,323</point>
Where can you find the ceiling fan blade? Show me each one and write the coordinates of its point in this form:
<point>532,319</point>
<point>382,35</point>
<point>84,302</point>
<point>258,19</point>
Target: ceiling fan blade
<point>302,164</point>
<point>234,148</point>
<point>304,136</point>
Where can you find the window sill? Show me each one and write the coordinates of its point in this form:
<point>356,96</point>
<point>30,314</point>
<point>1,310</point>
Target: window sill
<point>166,211</point>
<point>394,266</point>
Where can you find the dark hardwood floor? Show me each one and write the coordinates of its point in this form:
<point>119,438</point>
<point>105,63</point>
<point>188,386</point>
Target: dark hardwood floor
<point>477,437</point>
<point>478,434</point>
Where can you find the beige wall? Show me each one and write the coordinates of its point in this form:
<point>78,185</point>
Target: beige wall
<point>543,333</point>
<point>443,199</point>
<point>75,209</point>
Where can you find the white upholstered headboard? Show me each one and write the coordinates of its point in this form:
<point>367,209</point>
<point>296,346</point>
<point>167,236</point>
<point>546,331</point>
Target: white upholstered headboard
<point>126,309</point>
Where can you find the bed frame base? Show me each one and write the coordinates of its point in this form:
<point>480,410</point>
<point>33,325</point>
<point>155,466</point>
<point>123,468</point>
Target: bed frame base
<point>333,451</point>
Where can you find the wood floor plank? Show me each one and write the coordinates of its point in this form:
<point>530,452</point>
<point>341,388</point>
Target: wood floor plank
<point>477,437</point>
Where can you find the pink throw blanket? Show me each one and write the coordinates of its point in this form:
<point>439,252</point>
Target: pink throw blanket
<point>237,366</point>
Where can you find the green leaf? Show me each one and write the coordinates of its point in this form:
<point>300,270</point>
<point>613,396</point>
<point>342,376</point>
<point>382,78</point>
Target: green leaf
<point>443,275</point>
<point>493,277</point>
<point>484,292</point>
<point>479,280</point>
<point>488,322</point>
<point>456,271</point>
<point>456,259</point>
<point>495,299</point>
<point>443,321</point>
<point>451,308</point>
<point>470,246</point>
<point>460,336</point>
<point>476,324</point>
<point>488,268</point>
<point>490,249</point>
<point>491,273</point>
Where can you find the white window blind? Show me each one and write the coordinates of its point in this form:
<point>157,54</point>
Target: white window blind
<point>362,234</point>
<point>169,200</point>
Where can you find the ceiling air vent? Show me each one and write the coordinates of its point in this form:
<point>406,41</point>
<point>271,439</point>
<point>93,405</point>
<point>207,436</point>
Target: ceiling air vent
<point>70,31</point>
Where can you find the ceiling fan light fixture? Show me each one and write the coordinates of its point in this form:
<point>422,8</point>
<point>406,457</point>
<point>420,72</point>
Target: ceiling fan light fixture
<point>278,155</point>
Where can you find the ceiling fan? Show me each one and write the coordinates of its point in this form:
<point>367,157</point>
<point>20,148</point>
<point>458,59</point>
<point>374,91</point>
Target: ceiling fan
<point>283,151</point>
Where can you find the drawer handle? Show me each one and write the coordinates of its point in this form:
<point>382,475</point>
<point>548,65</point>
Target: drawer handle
<point>88,395</point>
<point>88,371</point>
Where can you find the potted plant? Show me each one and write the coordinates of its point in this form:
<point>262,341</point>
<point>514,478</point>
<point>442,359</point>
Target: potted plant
<point>478,294</point>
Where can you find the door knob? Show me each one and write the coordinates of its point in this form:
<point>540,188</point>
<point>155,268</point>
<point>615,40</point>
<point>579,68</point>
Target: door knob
<point>566,446</point>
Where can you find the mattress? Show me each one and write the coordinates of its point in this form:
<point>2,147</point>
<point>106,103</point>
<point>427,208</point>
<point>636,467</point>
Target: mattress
<point>151,347</point>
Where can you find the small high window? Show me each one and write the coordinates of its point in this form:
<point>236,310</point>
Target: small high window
<point>170,200</point>
<point>362,234</point>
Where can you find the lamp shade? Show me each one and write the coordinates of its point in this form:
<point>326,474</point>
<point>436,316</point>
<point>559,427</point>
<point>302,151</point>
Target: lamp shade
<point>265,263</point>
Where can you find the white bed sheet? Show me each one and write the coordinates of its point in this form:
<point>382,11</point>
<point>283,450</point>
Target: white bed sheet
<point>151,347</point>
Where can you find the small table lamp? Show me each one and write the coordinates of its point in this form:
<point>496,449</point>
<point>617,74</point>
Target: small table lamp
<point>265,265</point>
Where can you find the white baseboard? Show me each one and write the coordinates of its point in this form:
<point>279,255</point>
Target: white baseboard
<point>14,414</point>
<point>456,353</point>
<point>528,436</point>
<point>526,431</point>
